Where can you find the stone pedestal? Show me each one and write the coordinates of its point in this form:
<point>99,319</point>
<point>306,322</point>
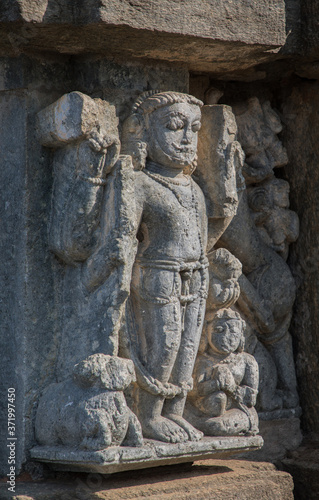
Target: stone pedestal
<point>152,453</point>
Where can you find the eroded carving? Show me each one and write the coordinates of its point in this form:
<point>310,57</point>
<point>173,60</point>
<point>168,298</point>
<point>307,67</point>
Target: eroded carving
<point>169,280</point>
<point>89,411</point>
<point>225,380</point>
<point>135,226</point>
<point>262,227</point>
<point>277,225</point>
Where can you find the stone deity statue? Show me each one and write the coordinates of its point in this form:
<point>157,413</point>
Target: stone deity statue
<point>169,279</point>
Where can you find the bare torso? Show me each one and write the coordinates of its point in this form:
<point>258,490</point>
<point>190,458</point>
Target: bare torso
<point>172,219</point>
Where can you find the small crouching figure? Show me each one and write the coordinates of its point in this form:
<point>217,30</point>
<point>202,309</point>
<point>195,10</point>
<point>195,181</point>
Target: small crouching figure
<point>89,411</point>
<point>225,380</point>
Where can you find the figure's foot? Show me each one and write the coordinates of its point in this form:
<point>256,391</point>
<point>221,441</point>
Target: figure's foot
<point>163,429</point>
<point>291,399</point>
<point>192,433</point>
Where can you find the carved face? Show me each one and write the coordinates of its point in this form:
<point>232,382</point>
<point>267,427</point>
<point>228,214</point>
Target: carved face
<point>224,335</point>
<point>172,135</point>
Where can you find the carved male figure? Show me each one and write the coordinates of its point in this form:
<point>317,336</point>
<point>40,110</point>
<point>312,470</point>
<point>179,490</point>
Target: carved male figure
<point>169,281</point>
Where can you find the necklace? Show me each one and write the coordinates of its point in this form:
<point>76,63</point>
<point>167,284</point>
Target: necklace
<point>169,184</point>
<point>167,180</point>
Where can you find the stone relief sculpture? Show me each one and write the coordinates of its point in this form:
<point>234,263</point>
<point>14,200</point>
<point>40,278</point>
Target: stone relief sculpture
<point>169,280</point>
<point>225,380</point>
<point>92,231</point>
<point>144,240</point>
<point>89,411</point>
<point>259,235</point>
<point>277,225</point>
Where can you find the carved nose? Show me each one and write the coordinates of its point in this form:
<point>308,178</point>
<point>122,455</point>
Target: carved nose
<point>187,138</point>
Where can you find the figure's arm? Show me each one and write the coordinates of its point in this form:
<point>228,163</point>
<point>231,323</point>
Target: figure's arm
<point>83,134</point>
<point>251,304</point>
<point>221,380</point>
<point>80,172</point>
<point>247,392</point>
<point>207,387</point>
<point>120,220</point>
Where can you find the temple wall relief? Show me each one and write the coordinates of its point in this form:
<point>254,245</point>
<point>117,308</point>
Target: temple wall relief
<point>176,295</point>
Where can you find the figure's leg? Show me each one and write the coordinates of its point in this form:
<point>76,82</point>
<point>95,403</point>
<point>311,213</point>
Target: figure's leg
<point>268,398</point>
<point>232,423</point>
<point>213,405</point>
<point>158,327</point>
<point>185,360</point>
<point>134,435</point>
<point>282,354</point>
<point>154,425</point>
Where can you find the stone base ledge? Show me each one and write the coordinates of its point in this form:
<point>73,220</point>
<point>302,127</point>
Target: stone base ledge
<point>153,453</point>
<point>208,479</point>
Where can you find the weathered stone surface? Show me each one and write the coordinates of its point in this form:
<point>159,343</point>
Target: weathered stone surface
<point>238,35</point>
<point>267,286</point>
<point>303,465</point>
<point>153,453</point>
<point>280,437</point>
<point>48,272</point>
<point>300,138</point>
<point>225,380</point>
<point>90,411</point>
<point>220,159</point>
<point>12,262</point>
<point>218,479</point>
<point>209,20</point>
<point>141,234</point>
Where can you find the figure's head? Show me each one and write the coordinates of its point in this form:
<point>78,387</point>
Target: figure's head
<point>163,127</point>
<point>225,333</point>
<point>105,372</point>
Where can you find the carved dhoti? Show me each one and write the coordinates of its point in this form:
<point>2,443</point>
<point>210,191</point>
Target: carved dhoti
<point>167,308</point>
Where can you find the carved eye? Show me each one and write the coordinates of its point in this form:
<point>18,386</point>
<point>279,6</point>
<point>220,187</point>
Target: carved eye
<point>175,124</point>
<point>219,329</point>
<point>196,126</point>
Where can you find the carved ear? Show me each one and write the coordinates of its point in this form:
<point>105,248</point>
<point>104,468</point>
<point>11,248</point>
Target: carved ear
<point>135,125</point>
<point>112,154</point>
<point>134,140</point>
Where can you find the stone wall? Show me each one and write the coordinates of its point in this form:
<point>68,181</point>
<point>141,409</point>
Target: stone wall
<point>301,110</point>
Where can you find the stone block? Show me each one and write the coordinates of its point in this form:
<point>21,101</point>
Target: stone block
<point>73,117</point>
<point>221,37</point>
<point>216,479</point>
<point>280,436</point>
